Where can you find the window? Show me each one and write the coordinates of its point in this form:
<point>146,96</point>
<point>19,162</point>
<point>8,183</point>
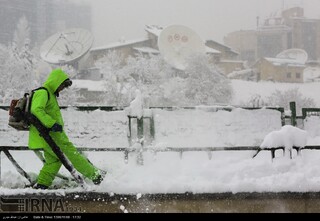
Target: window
<point>298,75</point>
<point>288,75</point>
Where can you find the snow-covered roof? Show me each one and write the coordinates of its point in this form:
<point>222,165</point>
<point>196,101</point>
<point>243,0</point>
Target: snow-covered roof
<point>274,28</point>
<point>147,50</point>
<point>306,19</point>
<point>119,44</point>
<point>212,51</point>
<point>282,61</point>
<point>223,45</point>
<point>240,73</point>
<point>154,29</point>
<point>231,61</point>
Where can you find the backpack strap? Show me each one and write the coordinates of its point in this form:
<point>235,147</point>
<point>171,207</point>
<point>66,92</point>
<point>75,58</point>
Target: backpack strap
<point>39,88</point>
<point>32,92</point>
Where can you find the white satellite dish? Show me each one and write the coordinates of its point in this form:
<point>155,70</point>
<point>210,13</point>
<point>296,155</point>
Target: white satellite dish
<point>176,43</point>
<point>294,53</point>
<point>66,47</point>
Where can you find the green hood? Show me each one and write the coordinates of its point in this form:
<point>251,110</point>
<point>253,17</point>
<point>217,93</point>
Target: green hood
<point>55,79</point>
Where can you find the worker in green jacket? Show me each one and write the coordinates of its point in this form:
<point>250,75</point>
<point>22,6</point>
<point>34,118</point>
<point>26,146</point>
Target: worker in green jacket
<point>45,107</point>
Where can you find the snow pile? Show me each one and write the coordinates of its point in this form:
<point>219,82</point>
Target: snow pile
<point>136,106</point>
<point>287,137</point>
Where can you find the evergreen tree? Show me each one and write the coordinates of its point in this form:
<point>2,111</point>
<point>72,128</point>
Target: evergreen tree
<point>22,33</point>
<point>17,70</point>
<point>17,77</point>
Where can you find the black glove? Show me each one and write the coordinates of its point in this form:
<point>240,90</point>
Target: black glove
<point>56,128</point>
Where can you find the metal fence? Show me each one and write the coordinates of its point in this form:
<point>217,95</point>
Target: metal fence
<point>140,123</point>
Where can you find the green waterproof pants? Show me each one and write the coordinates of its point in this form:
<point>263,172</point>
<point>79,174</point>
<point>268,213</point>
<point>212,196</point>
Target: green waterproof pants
<point>52,163</point>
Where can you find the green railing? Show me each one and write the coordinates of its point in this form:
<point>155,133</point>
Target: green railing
<point>310,112</point>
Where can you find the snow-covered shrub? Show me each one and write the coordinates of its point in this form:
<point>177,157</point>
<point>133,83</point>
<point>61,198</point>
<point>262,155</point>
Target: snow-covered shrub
<point>17,65</point>
<point>16,77</point>
<point>205,84</point>
<point>118,83</point>
<point>161,84</point>
<point>121,81</point>
<point>255,101</point>
<point>283,99</point>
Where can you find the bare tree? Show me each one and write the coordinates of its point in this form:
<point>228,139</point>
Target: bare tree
<point>283,99</point>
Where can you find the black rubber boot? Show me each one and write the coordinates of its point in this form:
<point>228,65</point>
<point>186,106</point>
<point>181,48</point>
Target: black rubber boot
<point>40,186</point>
<point>97,180</point>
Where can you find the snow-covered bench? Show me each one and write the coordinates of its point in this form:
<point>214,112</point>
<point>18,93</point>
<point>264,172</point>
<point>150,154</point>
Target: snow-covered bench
<point>287,139</point>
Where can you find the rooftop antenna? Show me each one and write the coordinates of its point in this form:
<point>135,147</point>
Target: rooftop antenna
<point>66,47</point>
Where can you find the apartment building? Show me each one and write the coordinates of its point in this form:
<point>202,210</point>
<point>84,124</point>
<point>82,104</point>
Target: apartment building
<point>289,29</point>
<point>45,17</point>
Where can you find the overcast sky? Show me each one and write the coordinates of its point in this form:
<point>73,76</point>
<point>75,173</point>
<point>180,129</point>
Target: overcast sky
<point>211,19</point>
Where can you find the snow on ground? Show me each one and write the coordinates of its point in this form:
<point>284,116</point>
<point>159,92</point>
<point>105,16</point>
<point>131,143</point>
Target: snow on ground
<point>171,172</point>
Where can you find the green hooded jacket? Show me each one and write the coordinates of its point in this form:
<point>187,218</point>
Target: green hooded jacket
<point>47,111</point>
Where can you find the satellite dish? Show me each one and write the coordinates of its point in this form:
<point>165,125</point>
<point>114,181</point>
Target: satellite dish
<point>294,53</point>
<point>311,74</point>
<point>66,47</point>
<point>176,43</point>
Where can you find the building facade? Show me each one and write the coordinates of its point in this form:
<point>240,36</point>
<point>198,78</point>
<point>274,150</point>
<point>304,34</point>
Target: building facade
<point>279,70</point>
<point>290,29</point>
<point>45,17</point>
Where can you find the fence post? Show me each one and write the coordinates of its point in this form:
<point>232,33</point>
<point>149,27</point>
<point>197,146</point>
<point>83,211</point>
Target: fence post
<point>283,116</point>
<point>152,129</point>
<point>0,169</point>
<point>140,139</point>
<point>129,135</point>
<point>304,113</point>
<point>293,113</point>
<point>140,136</point>
<point>140,127</point>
